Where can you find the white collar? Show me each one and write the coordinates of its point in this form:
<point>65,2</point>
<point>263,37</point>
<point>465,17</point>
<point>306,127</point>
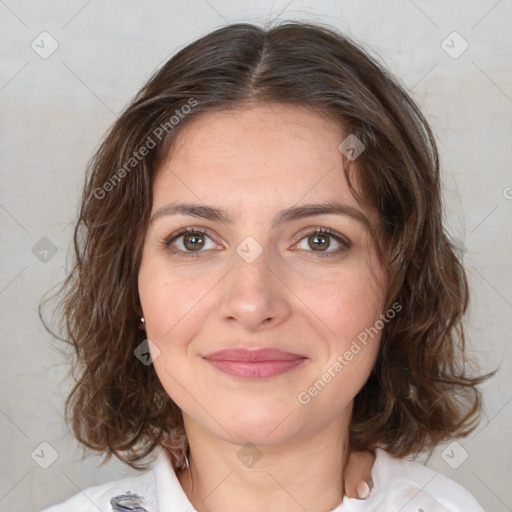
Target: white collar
<point>393,479</point>
<point>171,496</point>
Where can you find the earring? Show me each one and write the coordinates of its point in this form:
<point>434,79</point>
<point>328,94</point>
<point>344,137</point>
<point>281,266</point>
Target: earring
<point>142,320</point>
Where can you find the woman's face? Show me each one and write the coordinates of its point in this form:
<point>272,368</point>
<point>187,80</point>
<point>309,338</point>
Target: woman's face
<point>260,279</point>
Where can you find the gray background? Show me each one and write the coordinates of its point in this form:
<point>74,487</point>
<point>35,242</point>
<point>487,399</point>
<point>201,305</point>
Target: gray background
<point>54,111</point>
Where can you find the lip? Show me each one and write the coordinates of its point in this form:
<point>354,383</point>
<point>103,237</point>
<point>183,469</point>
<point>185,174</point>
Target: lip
<point>262,354</point>
<point>254,364</point>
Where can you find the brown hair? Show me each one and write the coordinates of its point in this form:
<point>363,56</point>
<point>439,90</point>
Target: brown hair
<point>419,393</point>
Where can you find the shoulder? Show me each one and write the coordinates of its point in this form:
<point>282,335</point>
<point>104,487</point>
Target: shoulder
<point>156,489</point>
<point>138,489</point>
<point>407,486</point>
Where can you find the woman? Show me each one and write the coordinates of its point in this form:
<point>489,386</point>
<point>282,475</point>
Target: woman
<point>264,286</point>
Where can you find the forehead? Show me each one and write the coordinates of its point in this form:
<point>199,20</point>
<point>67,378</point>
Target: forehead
<point>258,156</point>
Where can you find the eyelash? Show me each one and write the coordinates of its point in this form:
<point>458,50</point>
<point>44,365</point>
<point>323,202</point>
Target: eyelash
<point>317,231</point>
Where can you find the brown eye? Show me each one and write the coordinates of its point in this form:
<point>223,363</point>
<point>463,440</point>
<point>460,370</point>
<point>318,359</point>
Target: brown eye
<point>193,241</point>
<point>189,241</point>
<point>320,240</point>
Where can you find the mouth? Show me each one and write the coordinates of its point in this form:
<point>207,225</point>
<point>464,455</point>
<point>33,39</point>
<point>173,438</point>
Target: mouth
<point>254,364</point>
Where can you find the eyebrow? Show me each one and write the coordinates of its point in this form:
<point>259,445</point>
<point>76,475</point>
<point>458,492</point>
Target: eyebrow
<point>287,215</point>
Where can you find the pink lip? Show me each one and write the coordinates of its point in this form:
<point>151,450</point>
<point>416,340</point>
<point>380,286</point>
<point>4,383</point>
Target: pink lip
<point>254,364</point>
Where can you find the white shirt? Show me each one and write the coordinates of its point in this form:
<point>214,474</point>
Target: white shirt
<point>399,485</point>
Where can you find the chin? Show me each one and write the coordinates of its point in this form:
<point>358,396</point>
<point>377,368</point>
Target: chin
<point>269,427</point>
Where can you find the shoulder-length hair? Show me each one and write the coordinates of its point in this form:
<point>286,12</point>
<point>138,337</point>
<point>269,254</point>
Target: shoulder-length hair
<point>418,393</point>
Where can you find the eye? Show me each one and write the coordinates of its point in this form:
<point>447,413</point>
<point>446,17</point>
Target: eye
<point>319,239</point>
<point>193,240</point>
<point>190,242</point>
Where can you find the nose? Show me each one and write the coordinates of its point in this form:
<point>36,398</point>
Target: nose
<point>255,294</point>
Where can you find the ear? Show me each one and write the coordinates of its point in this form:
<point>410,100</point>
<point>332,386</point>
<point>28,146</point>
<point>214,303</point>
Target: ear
<point>140,316</point>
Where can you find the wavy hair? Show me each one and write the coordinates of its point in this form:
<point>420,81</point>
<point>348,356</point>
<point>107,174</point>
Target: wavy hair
<point>419,392</point>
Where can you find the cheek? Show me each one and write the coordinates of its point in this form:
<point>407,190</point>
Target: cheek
<point>168,301</point>
<point>345,301</point>
<point>349,308</point>
<point>169,297</point>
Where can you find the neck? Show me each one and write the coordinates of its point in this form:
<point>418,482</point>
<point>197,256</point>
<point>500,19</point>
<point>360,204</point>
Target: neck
<point>305,473</point>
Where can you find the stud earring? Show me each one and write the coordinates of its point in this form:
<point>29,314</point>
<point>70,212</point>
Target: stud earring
<point>142,320</point>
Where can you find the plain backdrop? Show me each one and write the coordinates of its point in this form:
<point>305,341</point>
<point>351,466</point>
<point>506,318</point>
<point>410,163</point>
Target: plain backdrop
<point>67,71</point>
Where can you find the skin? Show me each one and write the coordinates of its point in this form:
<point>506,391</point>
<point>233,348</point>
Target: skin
<point>254,162</point>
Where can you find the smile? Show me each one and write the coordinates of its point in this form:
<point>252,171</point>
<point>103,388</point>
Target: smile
<point>254,363</point>
<point>256,369</point>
